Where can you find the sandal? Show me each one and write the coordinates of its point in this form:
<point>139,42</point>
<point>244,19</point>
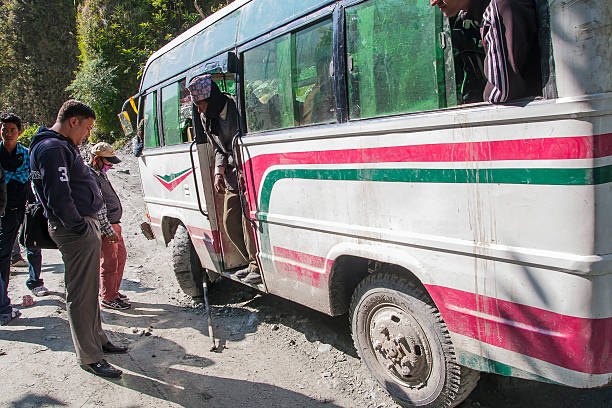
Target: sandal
<point>8,317</point>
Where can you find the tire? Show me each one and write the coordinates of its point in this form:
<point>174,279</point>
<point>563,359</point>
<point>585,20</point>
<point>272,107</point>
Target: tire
<point>400,336</point>
<point>186,264</point>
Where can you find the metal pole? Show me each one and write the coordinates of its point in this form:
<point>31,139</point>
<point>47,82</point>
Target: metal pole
<point>207,305</point>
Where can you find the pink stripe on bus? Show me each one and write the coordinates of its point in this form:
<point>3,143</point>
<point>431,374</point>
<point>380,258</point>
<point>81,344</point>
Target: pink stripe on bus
<point>286,262</point>
<point>576,343</point>
<point>554,148</point>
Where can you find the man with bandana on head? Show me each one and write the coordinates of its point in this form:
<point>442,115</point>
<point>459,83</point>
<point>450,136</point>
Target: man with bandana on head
<point>220,121</point>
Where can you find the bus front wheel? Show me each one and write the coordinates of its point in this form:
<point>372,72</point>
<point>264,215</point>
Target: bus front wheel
<point>401,337</point>
<point>186,264</point>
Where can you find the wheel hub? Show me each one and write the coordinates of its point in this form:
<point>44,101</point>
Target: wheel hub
<point>400,345</point>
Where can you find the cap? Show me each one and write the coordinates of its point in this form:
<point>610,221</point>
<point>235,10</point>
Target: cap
<point>200,88</point>
<point>105,150</point>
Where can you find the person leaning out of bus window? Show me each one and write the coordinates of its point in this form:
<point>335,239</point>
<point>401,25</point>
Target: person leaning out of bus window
<point>220,121</point>
<point>509,34</point>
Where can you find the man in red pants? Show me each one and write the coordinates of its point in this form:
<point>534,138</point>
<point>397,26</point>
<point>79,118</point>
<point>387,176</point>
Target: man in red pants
<point>113,253</point>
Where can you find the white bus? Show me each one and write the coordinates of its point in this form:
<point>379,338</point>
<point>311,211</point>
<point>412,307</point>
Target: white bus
<point>460,237</point>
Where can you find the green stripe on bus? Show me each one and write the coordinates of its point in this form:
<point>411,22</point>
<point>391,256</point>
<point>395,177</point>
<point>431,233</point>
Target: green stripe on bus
<point>486,365</point>
<point>537,176</point>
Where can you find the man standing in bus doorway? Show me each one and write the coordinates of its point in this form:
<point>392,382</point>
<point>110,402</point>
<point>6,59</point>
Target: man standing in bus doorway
<point>71,199</point>
<point>220,121</point>
<point>509,33</point>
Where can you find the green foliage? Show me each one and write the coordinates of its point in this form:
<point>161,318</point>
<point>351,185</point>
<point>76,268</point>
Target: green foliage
<point>38,57</point>
<point>95,85</point>
<point>116,37</point>
<point>28,133</point>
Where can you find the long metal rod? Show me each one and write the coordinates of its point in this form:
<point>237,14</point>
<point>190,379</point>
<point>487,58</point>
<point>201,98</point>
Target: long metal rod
<point>209,318</point>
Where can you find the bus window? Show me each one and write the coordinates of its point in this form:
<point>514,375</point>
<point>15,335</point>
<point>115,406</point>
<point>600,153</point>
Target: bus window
<point>170,112</point>
<point>267,82</point>
<point>151,138</point>
<point>392,56</point>
<point>314,84</point>
<point>185,115</point>
<point>288,82</point>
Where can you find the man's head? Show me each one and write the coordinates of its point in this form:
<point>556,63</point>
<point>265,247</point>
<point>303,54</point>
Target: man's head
<point>451,8</point>
<point>75,121</point>
<point>103,156</point>
<point>200,89</point>
<point>11,128</point>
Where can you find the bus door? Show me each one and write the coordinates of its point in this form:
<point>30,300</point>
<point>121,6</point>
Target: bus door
<point>211,203</point>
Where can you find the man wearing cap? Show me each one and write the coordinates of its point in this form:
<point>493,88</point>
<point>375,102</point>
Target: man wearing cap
<point>113,253</point>
<point>220,121</point>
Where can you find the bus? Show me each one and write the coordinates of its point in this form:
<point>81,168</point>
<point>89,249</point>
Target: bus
<point>460,237</point>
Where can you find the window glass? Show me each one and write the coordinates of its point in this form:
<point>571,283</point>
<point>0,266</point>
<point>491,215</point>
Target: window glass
<point>217,37</point>
<point>288,82</point>
<point>267,82</point>
<point>176,60</point>
<point>151,76</point>
<point>395,64</point>
<point>259,16</point>
<point>151,138</point>
<point>170,112</point>
<point>314,86</point>
<point>185,113</point>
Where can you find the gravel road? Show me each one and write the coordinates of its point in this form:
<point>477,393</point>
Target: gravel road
<point>275,353</point>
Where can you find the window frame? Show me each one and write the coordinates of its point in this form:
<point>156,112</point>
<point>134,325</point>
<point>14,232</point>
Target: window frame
<point>153,92</point>
<point>162,116</point>
<point>326,13</point>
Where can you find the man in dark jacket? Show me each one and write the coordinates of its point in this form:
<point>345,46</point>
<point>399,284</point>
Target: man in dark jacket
<point>71,200</point>
<point>15,161</point>
<point>114,254</point>
<point>509,33</point>
<point>220,120</point>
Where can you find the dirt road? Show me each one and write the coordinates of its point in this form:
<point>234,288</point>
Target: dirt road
<point>276,353</point>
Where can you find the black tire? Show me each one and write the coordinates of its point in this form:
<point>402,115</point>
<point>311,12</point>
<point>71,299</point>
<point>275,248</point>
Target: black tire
<point>186,264</point>
<point>402,339</point>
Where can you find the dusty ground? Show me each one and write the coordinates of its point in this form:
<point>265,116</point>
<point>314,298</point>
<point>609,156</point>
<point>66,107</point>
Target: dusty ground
<point>277,353</point>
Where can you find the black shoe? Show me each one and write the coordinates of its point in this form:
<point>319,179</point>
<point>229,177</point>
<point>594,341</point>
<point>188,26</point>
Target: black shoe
<point>253,278</point>
<point>112,349</point>
<point>116,304</point>
<point>103,369</point>
<point>241,273</point>
<point>123,297</point>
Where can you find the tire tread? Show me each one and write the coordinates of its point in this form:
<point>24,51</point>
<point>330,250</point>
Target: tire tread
<point>461,380</point>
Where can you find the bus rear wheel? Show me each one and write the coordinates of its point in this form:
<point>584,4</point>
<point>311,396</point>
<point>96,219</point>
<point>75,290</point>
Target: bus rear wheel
<point>186,264</point>
<point>401,337</point>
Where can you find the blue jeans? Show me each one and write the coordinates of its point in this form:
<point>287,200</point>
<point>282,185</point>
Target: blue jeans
<point>9,227</point>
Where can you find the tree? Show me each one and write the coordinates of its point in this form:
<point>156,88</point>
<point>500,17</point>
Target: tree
<point>116,37</point>
<point>38,57</point>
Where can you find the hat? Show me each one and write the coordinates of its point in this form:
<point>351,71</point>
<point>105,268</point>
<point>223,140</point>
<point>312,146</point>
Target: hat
<point>105,150</point>
<point>199,88</point>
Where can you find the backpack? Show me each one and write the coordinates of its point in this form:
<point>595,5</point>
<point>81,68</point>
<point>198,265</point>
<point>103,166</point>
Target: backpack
<point>35,230</point>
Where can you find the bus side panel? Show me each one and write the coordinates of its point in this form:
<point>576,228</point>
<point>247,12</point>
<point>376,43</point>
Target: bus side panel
<point>502,218</point>
<point>170,193</point>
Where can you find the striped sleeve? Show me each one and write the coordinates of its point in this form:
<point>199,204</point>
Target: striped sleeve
<point>496,58</point>
<point>105,226</point>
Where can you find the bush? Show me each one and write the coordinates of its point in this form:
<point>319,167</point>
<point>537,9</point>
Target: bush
<point>26,137</point>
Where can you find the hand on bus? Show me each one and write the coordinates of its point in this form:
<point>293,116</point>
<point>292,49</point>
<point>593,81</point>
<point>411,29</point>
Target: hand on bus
<point>219,183</point>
